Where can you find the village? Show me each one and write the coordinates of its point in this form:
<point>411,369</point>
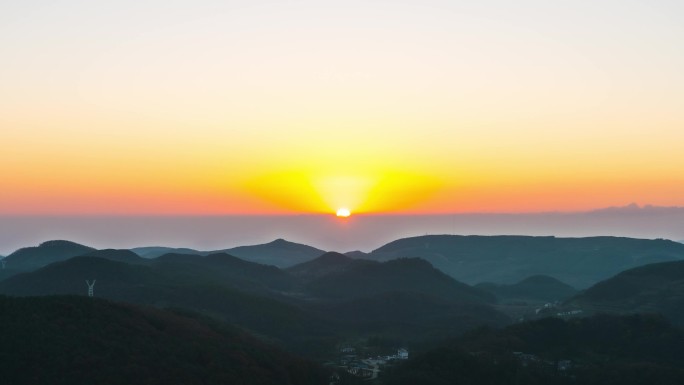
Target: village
<point>363,362</point>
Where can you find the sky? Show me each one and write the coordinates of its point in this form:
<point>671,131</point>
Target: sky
<point>172,107</point>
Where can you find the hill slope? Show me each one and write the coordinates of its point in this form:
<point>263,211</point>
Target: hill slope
<point>125,256</point>
<point>149,285</point>
<point>633,350</point>
<point>580,262</point>
<point>405,274</point>
<point>225,269</point>
<point>279,253</point>
<point>79,340</point>
<point>535,288</point>
<point>409,316</point>
<point>328,263</point>
<point>31,258</point>
<point>652,288</point>
<point>405,299</point>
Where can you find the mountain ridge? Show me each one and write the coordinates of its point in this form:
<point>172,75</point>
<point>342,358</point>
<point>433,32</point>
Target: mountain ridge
<point>279,252</point>
<point>33,257</point>
<point>579,262</point>
<point>403,274</point>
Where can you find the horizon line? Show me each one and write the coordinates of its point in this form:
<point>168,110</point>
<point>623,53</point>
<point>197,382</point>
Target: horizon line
<point>632,207</point>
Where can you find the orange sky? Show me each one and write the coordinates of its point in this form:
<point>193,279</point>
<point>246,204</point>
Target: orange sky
<point>252,107</point>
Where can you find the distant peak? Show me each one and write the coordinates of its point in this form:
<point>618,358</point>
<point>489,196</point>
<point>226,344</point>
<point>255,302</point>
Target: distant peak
<point>540,279</point>
<point>636,208</point>
<point>59,242</point>
<point>218,255</point>
<point>333,256</point>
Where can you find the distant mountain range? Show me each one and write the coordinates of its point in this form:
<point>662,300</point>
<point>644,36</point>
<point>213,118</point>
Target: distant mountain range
<point>365,232</point>
<point>287,306</point>
<point>378,289</point>
<point>157,251</point>
<point>30,258</point>
<point>579,262</point>
<point>279,253</point>
<point>399,294</point>
<point>636,208</point>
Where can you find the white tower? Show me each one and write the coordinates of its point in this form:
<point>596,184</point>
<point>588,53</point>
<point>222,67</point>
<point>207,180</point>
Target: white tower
<point>91,287</point>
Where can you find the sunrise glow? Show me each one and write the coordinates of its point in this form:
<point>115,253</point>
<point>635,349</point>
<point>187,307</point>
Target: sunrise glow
<point>410,107</point>
<point>343,212</point>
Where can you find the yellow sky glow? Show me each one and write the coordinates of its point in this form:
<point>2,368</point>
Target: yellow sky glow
<point>382,107</point>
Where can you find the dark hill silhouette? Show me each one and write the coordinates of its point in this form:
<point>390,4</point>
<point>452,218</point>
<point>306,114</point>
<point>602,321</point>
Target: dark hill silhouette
<point>580,262</point>
<point>629,350</point>
<point>357,254</point>
<point>535,288</point>
<point>279,253</point>
<point>79,340</point>
<point>125,256</point>
<point>7,271</point>
<point>157,251</point>
<point>410,315</point>
<point>330,262</point>
<point>402,299</point>
<point>178,258</point>
<point>655,288</point>
<point>225,269</point>
<point>115,280</point>
<point>406,274</point>
<point>31,258</point>
<point>454,318</point>
<point>234,267</point>
<point>149,285</point>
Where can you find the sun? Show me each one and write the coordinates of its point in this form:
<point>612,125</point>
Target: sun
<point>343,212</point>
